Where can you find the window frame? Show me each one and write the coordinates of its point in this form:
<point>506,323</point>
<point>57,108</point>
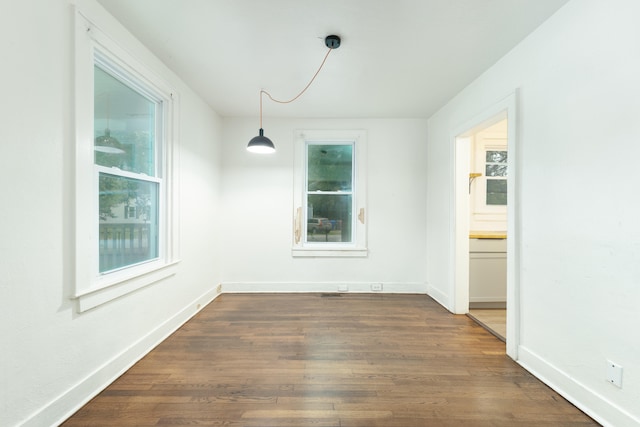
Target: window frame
<point>91,288</point>
<point>358,246</point>
<point>494,177</point>
<point>479,202</point>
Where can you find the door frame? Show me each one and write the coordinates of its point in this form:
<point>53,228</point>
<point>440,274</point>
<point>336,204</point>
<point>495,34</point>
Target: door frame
<point>505,108</point>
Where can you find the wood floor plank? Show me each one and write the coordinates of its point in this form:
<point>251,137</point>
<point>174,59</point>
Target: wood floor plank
<point>309,360</point>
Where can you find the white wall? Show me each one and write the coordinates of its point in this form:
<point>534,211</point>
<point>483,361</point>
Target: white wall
<point>258,203</point>
<point>578,145</point>
<point>51,357</point>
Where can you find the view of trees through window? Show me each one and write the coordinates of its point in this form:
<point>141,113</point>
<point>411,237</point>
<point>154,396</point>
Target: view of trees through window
<point>329,192</point>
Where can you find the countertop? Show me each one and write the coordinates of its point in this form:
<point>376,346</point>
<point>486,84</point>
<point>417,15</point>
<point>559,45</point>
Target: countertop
<point>487,234</point>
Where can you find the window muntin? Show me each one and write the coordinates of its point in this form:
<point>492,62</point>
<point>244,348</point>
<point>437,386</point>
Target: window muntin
<point>329,190</point>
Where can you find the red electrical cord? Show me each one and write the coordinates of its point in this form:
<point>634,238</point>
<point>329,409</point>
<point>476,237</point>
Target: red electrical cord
<point>298,95</point>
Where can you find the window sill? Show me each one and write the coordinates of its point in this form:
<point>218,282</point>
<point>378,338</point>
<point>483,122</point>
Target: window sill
<point>336,253</point>
<point>94,297</point>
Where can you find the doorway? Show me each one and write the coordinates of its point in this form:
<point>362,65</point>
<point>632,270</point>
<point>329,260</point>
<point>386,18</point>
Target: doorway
<point>494,226</point>
<point>488,152</point>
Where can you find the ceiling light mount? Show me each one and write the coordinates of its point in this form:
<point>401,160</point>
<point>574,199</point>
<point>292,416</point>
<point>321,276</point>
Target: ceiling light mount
<point>262,144</point>
<point>332,41</point>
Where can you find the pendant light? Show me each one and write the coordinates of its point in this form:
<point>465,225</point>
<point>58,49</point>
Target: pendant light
<point>108,144</point>
<point>262,144</point>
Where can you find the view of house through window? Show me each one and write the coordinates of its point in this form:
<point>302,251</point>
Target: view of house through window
<point>126,162</point>
<point>329,192</point>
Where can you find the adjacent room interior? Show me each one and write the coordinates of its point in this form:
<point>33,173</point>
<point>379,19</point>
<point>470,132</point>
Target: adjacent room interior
<point>488,166</point>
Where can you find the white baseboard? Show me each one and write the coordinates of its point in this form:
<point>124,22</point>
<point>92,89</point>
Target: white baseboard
<point>313,287</point>
<point>501,299</point>
<point>590,402</point>
<point>482,305</point>
<point>77,396</point>
<point>440,297</point>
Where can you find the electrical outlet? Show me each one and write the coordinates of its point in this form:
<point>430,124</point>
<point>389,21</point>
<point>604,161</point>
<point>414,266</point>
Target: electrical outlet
<point>343,288</point>
<point>614,374</point>
<point>376,287</point>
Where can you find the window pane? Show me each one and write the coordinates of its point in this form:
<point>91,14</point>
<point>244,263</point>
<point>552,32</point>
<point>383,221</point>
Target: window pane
<point>496,191</point>
<point>124,126</point>
<point>496,170</point>
<point>329,218</point>
<point>496,157</point>
<point>128,221</point>
<point>330,167</point>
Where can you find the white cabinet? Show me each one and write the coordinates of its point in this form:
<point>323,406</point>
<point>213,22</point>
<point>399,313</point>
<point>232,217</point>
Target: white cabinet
<point>487,273</point>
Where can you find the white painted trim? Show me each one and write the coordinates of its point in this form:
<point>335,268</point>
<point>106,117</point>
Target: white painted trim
<point>77,396</point>
<point>513,225</point>
<point>587,400</point>
<point>89,299</point>
<point>439,296</point>
<point>313,287</point>
<point>461,221</point>
<point>339,253</point>
<point>488,299</point>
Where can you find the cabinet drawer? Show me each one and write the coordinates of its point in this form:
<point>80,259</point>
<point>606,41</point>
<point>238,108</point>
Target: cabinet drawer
<point>487,245</point>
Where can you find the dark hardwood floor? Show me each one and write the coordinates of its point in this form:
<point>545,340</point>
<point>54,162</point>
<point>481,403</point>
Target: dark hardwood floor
<point>326,360</point>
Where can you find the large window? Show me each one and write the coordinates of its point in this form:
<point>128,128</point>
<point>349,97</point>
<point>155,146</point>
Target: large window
<point>125,235</point>
<point>330,198</point>
<point>127,130</point>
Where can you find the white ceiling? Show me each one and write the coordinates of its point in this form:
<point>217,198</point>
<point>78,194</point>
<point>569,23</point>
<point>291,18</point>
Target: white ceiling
<point>399,58</point>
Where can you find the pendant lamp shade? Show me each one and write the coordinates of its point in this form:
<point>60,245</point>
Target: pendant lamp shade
<point>108,144</point>
<point>261,144</point>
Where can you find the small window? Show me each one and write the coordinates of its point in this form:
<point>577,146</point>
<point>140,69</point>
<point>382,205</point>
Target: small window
<point>130,212</point>
<point>329,194</point>
<point>330,203</point>
<point>496,173</point>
